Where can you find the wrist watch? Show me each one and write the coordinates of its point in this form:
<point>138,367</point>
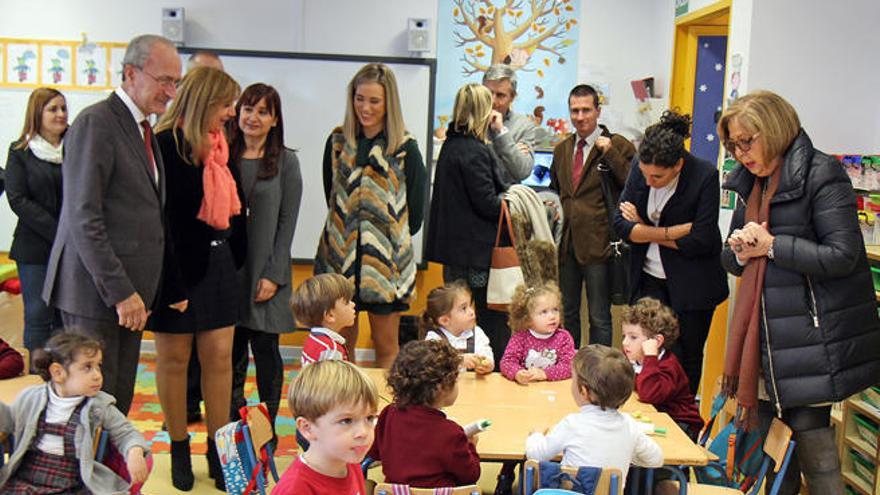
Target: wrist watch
<point>770,249</point>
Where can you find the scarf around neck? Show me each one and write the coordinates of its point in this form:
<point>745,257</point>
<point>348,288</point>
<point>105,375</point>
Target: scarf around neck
<point>220,200</point>
<point>46,151</point>
<point>742,363</point>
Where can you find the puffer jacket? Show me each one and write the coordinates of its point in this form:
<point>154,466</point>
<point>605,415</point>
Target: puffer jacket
<point>820,334</point>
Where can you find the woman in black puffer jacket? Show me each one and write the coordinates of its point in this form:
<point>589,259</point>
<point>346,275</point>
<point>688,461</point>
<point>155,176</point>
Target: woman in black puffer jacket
<point>805,317</point>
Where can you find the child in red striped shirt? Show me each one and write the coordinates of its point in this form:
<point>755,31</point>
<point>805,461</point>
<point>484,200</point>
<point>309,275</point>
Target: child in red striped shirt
<point>324,303</point>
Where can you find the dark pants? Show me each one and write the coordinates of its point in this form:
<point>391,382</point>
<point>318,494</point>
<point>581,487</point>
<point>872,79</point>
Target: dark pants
<point>193,383</point>
<point>122,349</point>
<point>693,329</point>
<point>799,419</point>
<point>270,369</point>
<point>40,320</point>
<point>573,277</point>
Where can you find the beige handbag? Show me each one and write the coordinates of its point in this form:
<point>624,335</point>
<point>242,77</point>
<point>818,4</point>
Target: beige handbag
<point>505,274</point>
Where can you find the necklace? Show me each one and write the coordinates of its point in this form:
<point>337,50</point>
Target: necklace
<point>659,203</point>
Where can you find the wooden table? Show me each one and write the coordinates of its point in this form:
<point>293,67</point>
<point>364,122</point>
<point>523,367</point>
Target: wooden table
<point>516,410</point>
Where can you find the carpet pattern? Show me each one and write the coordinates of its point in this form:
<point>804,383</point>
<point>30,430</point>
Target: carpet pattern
<point>146,413</point>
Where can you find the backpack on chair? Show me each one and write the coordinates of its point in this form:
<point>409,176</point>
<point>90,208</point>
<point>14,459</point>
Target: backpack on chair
<point>739,453</point>
<point>245,451</point>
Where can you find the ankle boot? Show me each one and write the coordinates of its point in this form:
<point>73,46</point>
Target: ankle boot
<point>819,461</point>
<point>181,465</point>
<point>215,471</point>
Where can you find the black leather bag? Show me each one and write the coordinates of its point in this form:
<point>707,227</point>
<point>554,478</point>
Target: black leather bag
<point>618,263</point>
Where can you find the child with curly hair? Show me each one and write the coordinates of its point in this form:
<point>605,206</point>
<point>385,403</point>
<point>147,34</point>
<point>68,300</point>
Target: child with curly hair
<point>450,316</point>
<point>417,444</point>
<point>649,330</point>
<point>540,349</point>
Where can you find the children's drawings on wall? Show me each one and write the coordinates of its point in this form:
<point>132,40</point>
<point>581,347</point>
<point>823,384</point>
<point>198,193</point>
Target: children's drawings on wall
<point>57,65</point>
<point>115,68</point>
<point>91,66</point>
<point>21,68</point>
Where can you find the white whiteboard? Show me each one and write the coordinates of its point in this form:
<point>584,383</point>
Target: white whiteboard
<point>313,92</point>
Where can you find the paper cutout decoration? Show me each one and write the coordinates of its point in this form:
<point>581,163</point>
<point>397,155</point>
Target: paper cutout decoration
<point>91,66</point>
<point>21,67</point>
<point>57,63</point>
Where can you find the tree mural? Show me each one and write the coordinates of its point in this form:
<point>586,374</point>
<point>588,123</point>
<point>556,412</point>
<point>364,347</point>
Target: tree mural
<point>512,33</point>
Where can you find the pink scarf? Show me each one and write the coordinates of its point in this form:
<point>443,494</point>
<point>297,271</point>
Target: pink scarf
<point>220,201</point>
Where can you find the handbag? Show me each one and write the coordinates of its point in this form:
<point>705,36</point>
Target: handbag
<point>505,273</point>
<point>618,262</point>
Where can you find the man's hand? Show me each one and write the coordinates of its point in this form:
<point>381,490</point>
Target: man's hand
<point>603,143</point>
<point>523,148</point>
<point>132,313</point>
<point>266,289</point>
<point>496,121</point>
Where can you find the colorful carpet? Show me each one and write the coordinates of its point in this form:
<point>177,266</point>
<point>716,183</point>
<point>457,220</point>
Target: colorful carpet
<point>146,413</point>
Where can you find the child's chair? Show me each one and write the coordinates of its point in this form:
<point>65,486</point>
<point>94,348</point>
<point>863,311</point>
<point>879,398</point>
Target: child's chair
<point>584,480</point>
<point>778,447</point>
<point>394,489</point>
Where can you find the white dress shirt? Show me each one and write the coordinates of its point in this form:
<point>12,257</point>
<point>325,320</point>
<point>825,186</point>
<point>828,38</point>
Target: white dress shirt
<point>481,341</point>
<point>591,141</point>
<point>657,199</point>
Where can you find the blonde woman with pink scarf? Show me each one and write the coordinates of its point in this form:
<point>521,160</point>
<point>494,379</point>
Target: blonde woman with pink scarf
<point>207,244</point>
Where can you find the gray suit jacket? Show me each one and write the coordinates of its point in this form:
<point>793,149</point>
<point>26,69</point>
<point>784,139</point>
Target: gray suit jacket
<point>111,237</point>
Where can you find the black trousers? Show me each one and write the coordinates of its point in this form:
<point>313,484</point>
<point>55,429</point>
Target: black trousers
<point>693,329</point>
<point>270,369</point>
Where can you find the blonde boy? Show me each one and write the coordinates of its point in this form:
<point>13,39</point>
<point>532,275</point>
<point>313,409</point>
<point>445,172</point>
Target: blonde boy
<point>335,407</point>
<point>324,303</point>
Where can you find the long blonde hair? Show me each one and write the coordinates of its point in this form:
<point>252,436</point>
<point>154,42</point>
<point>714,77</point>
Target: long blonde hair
<point>395,129</point>
<point>33,117</point>
<point>202,91</point>
<point>473,107</point>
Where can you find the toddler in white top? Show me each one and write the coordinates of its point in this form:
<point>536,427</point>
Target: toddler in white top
<point>450,316</point>
<point>599,435</point>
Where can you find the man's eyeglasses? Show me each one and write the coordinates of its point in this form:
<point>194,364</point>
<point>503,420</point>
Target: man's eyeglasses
<point>744,145</point>
<point>165,81</point>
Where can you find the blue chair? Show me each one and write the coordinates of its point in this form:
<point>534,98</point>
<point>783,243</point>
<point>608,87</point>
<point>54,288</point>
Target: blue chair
<point>555,491</point>
<point>392,489</point>
<point>584,480</point>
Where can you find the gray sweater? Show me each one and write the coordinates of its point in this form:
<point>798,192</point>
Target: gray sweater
<point>21,420</point>
<point>514,164</point>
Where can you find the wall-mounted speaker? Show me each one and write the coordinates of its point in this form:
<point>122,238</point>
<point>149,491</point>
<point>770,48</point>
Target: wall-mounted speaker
<point>173,24</point>
<point>418,35</point>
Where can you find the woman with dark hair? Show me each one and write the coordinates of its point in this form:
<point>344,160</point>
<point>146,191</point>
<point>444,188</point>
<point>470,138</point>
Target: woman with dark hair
<point>200,294</point>
<point>375,184</point>
<point>272,183</point>
<point>33,187</point>
<point>669,213</point>
<point>805,316</point>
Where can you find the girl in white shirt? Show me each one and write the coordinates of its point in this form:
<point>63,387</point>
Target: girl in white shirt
<point>599,435</point>
<point>450,316</point>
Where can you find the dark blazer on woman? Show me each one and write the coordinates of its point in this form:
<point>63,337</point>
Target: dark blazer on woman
<point>694,275</point>
<point>190,238</point>
<point>465,203</point>
<point>33,187</point>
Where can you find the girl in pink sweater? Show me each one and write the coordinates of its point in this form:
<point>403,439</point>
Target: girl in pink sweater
<point>540,349</point>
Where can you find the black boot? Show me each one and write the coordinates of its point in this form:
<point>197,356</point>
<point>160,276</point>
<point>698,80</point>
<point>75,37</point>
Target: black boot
<point>181,465</point>
<point>215,471</point>
<point>819,461</point>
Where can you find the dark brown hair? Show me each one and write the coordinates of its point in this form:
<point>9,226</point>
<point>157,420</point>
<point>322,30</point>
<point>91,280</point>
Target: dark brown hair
<point>605,373</point>
<point>33,117</point>
<point>423,369</point>
<point>63,349</point>
<point>252,95</point>
<point>317,295</point>
<point>439,303</point>
<point>664,141</point>
<point>654,318</point>
<point>582,90</point>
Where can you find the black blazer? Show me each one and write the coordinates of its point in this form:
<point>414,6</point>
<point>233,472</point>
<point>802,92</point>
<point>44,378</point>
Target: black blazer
<point>694,275</point>
<point>186,261</point>
<point>33,187</point>
<point>465,203</point>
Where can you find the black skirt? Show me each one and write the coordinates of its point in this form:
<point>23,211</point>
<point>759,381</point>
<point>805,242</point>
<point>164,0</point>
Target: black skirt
<point>213,302</point>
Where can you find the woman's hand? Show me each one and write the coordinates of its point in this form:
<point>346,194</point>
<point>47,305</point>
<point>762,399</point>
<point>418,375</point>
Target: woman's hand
<point>751,241</point>
<point>137,466</point>
<point>266,289</point>
<point>630,213</point>
<point>180,306</point>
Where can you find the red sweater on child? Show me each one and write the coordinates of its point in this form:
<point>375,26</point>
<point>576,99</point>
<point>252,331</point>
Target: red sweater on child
<point>11,361</point>
<point>419,447</point>
<point>663,384</point>
<point>300,479</point>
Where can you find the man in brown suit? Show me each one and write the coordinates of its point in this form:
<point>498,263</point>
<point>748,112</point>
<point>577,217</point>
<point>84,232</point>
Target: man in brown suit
<point>584,250</point>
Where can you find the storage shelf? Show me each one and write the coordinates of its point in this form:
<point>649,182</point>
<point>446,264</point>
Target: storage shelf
<point>853,480</point>
<point>854,440</point>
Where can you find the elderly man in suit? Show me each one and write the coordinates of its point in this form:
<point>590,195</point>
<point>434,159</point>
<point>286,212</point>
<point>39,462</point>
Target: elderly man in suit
<point>106,263</point>
<point>584,250</point>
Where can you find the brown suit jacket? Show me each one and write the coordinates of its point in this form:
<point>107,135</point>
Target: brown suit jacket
<point>585,220</point>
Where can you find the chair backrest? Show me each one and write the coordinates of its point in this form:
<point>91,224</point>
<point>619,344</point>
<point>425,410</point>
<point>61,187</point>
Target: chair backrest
<point>392,489</point>
<point>555,491</point>
<point>778,447</point>
<point>610,480</point>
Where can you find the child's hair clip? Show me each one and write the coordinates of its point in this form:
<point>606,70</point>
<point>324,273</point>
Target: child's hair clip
<point>530,291</point>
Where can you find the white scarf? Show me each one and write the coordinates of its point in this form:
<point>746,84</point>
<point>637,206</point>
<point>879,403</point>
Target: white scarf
<point>44,150</point>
